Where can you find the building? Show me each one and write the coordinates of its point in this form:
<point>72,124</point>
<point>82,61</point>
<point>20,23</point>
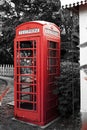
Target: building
<point>81,6</point>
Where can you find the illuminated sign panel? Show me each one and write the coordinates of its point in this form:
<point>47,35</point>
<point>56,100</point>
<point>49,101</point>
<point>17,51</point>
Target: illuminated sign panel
<point>29,31</point>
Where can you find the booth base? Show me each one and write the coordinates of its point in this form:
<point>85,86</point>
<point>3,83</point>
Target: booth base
<point>35,125</point>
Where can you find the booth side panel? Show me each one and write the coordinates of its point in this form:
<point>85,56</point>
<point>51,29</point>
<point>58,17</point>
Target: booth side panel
<point>53,70</point>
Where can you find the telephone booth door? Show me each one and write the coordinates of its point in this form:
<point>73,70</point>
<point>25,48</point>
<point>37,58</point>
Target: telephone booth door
<point>27,79</point>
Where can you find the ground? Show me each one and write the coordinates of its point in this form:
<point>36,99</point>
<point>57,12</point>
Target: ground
<point>7,121</point>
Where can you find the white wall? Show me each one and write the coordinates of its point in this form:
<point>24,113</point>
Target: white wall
<point>83,55</point>
<point>68,2</point>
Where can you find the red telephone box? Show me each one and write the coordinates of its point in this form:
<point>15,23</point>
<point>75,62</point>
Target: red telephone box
<point>36,64</point>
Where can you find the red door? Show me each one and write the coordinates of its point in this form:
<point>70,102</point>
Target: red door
<point>27,79</point>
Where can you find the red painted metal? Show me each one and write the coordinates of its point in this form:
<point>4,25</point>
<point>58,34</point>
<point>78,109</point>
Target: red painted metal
<point>36,64</point>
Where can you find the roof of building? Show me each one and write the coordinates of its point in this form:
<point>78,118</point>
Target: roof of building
<point>72,3</point>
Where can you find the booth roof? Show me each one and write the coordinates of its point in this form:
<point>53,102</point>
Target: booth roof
<point>72,3</point>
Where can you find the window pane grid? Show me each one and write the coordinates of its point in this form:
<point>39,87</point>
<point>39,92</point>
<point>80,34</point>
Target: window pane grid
<point>26,75</point>
<point>53,59</point>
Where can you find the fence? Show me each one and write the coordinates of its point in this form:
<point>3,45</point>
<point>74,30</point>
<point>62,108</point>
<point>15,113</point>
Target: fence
<point>6,70</point>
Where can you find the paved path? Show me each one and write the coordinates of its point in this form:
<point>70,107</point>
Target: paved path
<point>7,113</point>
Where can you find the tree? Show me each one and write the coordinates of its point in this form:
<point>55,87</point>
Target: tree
<point>7,13</point>
<point>17,12</point>
<point>28,10</point>
<point>69,80</point>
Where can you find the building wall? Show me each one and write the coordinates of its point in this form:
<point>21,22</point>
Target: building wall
<point>83,56</point>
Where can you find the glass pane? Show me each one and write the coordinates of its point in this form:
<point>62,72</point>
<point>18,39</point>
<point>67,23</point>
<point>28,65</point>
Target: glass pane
<point>52,44</point>
<point>28,97</point>
<point>26,62</point>
<point>26,88</point>
<point>26,79</point>
<point>25,105</point>
<point>51,78</point>
<point>52,61</point>
<point>26,53</point>
<point>52,70</point>
<point>26,44</point>
<point>52,53</point>
<point>26,70</point>
<point>29,106</point>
